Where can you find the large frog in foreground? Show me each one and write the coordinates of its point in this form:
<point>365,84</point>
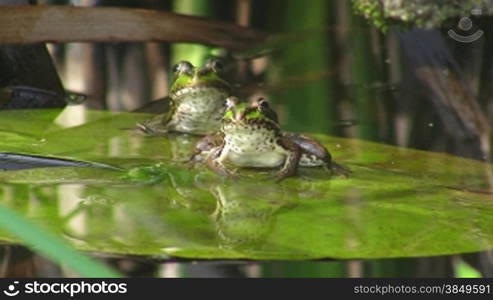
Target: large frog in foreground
<point>250,137</point>
<point>197,98</point>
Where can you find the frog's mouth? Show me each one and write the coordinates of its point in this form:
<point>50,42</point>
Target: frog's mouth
<point>245,126</point>
<point>205,88</point>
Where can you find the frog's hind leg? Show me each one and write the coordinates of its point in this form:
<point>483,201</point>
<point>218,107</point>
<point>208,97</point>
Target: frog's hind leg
<point>293,156</point>
<point>314,154</point>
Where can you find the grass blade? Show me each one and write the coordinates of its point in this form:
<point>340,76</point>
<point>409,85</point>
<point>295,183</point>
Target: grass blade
<point>51,246</point>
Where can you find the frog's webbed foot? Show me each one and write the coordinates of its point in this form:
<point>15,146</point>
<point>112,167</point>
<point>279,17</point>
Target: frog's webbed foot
<point>191,162</point>
<point>336,169</point>
<point>292,160</point>
<point>154,126</point>
<point>196,157</point>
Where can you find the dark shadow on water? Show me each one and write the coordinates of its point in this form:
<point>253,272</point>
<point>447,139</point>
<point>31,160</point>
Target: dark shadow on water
<point>17,261</point>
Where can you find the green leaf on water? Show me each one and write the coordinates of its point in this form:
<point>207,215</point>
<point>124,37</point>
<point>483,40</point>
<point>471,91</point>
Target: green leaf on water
<point>397,203</point>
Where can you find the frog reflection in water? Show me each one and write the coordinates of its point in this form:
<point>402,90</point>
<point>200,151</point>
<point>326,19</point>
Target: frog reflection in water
<point>196,101</point>
<point>250,137</point>
<point>246,214</point>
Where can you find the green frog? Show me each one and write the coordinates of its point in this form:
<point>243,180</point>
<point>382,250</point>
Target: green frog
<point>196,101</point>
<point>251,137</point>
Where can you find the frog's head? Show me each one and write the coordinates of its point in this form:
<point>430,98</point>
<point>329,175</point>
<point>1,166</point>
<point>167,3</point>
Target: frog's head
<point>188,78</point>
<point>256,112</point>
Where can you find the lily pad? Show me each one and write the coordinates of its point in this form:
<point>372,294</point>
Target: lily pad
<point>397,203</point>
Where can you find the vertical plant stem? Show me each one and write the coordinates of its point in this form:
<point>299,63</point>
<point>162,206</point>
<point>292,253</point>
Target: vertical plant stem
<point>364,72</point>
<point>196,54</point>
<point>311,106</point>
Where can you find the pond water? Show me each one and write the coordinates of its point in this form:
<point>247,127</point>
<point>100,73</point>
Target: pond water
<point>402,213</point>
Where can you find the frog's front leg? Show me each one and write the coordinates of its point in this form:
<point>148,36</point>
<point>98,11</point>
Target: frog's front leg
<point>154,126</point>
<point>161,124</point>
<point>215,161</point>
<point>203,147</point>
<point>292,159</point>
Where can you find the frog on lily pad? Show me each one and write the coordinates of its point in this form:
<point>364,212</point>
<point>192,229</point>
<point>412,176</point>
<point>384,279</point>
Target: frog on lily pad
<point>250,137</point>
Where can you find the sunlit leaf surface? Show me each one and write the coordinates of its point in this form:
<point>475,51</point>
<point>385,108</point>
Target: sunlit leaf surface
<point>397,203</point>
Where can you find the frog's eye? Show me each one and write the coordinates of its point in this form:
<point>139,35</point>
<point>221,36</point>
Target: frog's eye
<point>231,102</point>
<point>264,106</point>
<point>182,67</point>
<point>262,103</point>
<point>215,64</point>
